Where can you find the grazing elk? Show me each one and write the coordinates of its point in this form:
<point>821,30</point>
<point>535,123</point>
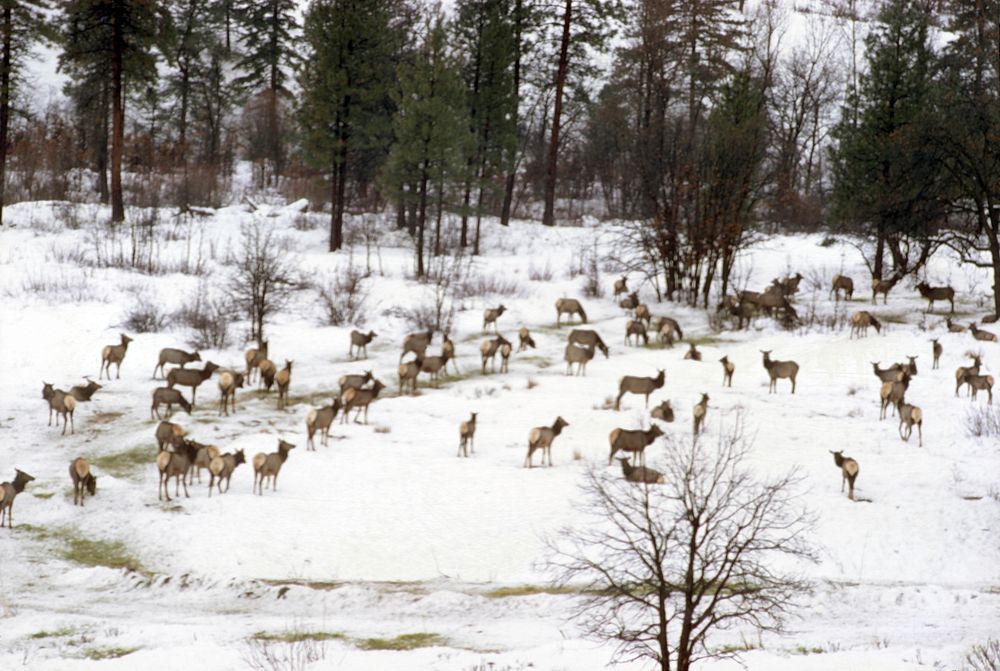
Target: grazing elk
<point>62,404</point>
<point>354,381</point>
<point>634,441</point>
<point>526,340</point>
<point>170,397</point>
<point>980,334</point>
<point>417,343</point>
<point>229,382</point>
<point>579,355</point>
<point>254,357</point>
<point>663,412</point>
<point>175,465</point>
<point>637,329</point>
<point>979,383</point>
<point>936,294</point>
<point>222,467</point>
<point>892,393</point>
<point>953,327</point>
<point>9,490</point>
<point>860,321</point>
<point>621,286</point>
<point>569,306</point>
<point>962,373</point>
<point>910,415</point>
<point>178,357</point>
<point>630,302</point>
<point>359,343</point>
<point>186,377</point>
<point>360,398</point>
<point>842,282</point>
<point>588,338</point>
<point>937,350</point>
<point>849,471</point>
<point>268,466</point>
<point>320,419</point>
<point>170,435</point>
<point>283,379</point>
<point>266,371</point>
<point>882,287</point>
<point>83,480</point>
<point>83,393</point>
<point>728,368</point>
<point>778,370</point>
<point>408,374</point>
<point>491,315</point>
<point>488,351</point>
<point>700,411</point>
<point>693,354</point>
<point>639,385</point>
<point>541,437</point>
<point>466,436</point>
<point>448,350</point>
<point>114,354</point>
<point>640,473</point>
<point>666,328</point>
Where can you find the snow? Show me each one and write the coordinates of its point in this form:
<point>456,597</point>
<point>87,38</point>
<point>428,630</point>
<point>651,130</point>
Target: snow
<point>385,532</point>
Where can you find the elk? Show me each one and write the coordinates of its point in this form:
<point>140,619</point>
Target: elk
<point>359,343</point>
<point>666,328</point>
<point>692,354</point>
<point>408,374</point>
<point>643,314</point>
<point>114,354</point>
<point>892,393</point>
<point>634,441</point>
<point>775,300</point>
<point>9,490</point>
<point>169,434</point>
<point>699,412</point>
<point>937,350</point>
<point>268,466</point>
<point>860,321</point>
<point>488,350</point>
<point>728,368</point>
<point>433,365</point>
<point>284,378</point>
<point>639,385</point>
<point>588,338</point>
<point>170,397</point>
<point>637,329</point>
<point>62,404</point>
<point>980,334</point>
<point>202,459</point>
<point>320,419</point>
<point>579,355</point>
<point>84,393</point>
<point>229,382</point>
<point>254,357</point>
<point>416,343</point>
<point>175,465</point>
<point>621,286</point>
<point>466,436</point>
<point>979,383</point>
<point>910,366</point>
<point>910,415</point>
<point>354,381</point>
<point>448,350</point>
<point>266,371</point>
<point>83,479</point>
<point>491,315</point>
<point>541,437</point>
<point>222,467</point>
<point>569,306</point>
<point>842,282</point>
<point>962,373</point>
<point>526,340</point>
<point>936,294</point>
<point>778,370</point>
<point>630,302</point>
<point>882,287</point>
<point>849,471</point>
<point>360,398</point>
<point>789,285</point>
<point>663,412</point>
<point>890,374</point>
<point>178,357</point>
<point>640,473</point>
<point>505,350</point>
<point>191,378</point>
<point>952,327</point>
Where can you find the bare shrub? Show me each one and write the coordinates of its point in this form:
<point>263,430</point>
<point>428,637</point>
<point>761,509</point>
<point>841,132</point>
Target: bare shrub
<point>304,221</point>
<point>344,295</point>
<point>494,284</point>
<point>144,317</point>
<point>445,280</point>
<point>209,317</point>
<point>294,654</point>
<point>60,287</point>
<point>540,274</point>
<point>590,264</point>
<point>983,421</point>
<point>984,657</point>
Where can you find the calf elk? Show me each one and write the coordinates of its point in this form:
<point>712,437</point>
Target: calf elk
<point>630,302</point>
<point>692,354</point>
<point>320,419</point>
<point>434,365</point>
<point>634,441</point>
<point>842,282</point>
<point>699,412</point>
<point>640,473</point>
<point>170,397</point>
<point>663,412</point>
<point>466,436</point>
<point>408,374</point>
<point>202,459</point>
<point>579,355</point>
<point>860,321</point>
<point>541,437</point>
<point>9,490</point>
<point>778,370</point>
<point>114,354</point>
<point>187,377</point>
<point>962,373</point>
<point>222,467</point>
<point>62,404</point>
<point>268,466</point>
<point>980,334</point>
<point>937,350</point>
<point>952,327</point>
<point>621,286</point>
<point>254,357</point>
<point>359,343</point>
<point>667,331</point>
<point>979,383</point>
<point>892,393</point>
<point>491,315</point>
<point>488,350</point>
<point>178,357</point>
<point>639,385</point>
<point>229,382</point>
<point>936,294</point>
<point>728,368</point>
<point>266,371</point>
<point>569,306</point>
<point>83,480</point>
<point>849,471</point>
<point>175,465</point>
<point>360,398</point>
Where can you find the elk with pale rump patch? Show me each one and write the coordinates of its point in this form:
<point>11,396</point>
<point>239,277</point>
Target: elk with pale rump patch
<point>202,458</point>
<point>354,381</point>
<point>434,365</point>
<point>692,354</point>
<point>417,343</point>
<point>882,287</point>
<point>663,412</point>
<point>640,473</point>
<point>842,282</point>
<point>588,338</point>
<point>964,372</point>
<point>254,357</point>
<point>408,374</point>
<point>860,321</point>
<point>491,315</point>
<point>631,384</point>
<point>178,357</point>
<point>467,435</point>
<point>700,411</point>
<point>910,415</point>
<point>222,468</point>
<point>448,350</point>
<point>980,334</point>
<point>979,383</point>
<point>62,404</point>
<point>8,491</point>
<point>849,471</point>
<point>643,314</point>
<point>170,434</point>
<point>187,377</point>
<point>320,419</point>
<point>579,355</point>
<point>268,466</point>
<point>526,340</point>
<point>634,441</point>
<point>83,393</point>
<point>569,306</point>
<point>630,302</point>
<point>892,393</point>
<point>266,370</point>
<point>114,354</point>
<point>937,350</point>
<point>777,370</point>
<point>359,343</point>
<point>621,286</point>
<point>936,294</point>
<point>360,398</point>
<point>283,379</point>
<point>488,351</point>
<point>505,350</point>
<point>666,328</point>
<point>83,480</point>
<point>229,382</point>
<point>175,465</point>
<point>170,397</point>
<point>541,437</point>
<point>635,328</point>
<point>728,368</point>
<point>890,374</point>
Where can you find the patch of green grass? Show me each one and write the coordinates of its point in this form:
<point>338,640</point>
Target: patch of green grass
<point>98,552</point>
<point>297,636</point>
<point>43,495</point>
<point>402,642</point>
<point>803,650</point>
<point>107,653</point>
<point>128,463</point>
<point>55,633</point>
<point>324,585</point>
<point>528,590</point>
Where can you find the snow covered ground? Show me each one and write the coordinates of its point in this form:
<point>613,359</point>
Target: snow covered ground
<point>386,533</point>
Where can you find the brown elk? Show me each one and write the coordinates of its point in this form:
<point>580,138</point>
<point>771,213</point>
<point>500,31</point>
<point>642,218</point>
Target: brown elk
<point>569,306</point>
<point>640,473</point>
<point>953,327</point>
<point>229,382</point>
<point>408,374</point>
<point>466,436</point>
<point>283,380</point>
<point>83,393</point>
<point>638,329</point>
<point>910,415</point>
<point>488,351</point>
<point>936,294</point>
<point>634,441</point>
<point>417,343</point>
<point>175,465</point>
<point>883,287</point>
<point>434,365</point>
<point>631,384</point>
<point>448,350</point>
<point>505,350</point>
<point>168,434</point>
<point>892,393</point>
<point>890,374</point>
<point>860,321</point>
<point>842,282</point>
<point>526,340</point>
<point>62,404</point>
<point>700,412</point>
<point>8,491</point>
<point>114,354</point>
<point>778,370</point>
<point>621,286</point>
<point>643,314</point>
<point>579,355</point>
<point>728,368</point>
<point>202,459</point>
<point>849,471</point>
<point>979,383</point>
<point>320,419</point>
<point>666,328</point>
<point>541,437</point>
<point>266,370</point>
<point>937,350</point>
<point>170,397</point>
<point>630,302</point>
<point>359,343</point>
<point>962,373</point>
<point>254,357</point>
<point>588,338</point>
<point>980,334</point>
<point>178,357</point>
<point>663,412</point>
<point>187,377</point>
<point>268,466</point>
<point>354,381</point>
<point>360,398</point>
<point>222,467</point>
<point>83,479</point>
<point>692,354</point>
<point>491,315</point>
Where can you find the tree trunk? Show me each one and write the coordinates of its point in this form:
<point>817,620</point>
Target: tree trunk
<point>994,235</point>
<point>879,253</point>
<point>437,223</point>
<point>101,159</point>
<point>464,236</point>
<point>117,118</point>
<point>549,216</point>
<point>508,193</point>
<point>5,67</point>
<point>479,217</point>
<point>338,179</point>
<point>422,219</point>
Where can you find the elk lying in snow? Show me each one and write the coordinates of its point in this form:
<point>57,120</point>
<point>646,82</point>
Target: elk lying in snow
<point>936,294</point>
<point>9,490</point>
<point>849,471</point>
<point>663,412</point>
<point>634,441</point>
<point>466,436</point>
<point>952,327</point>
<point>637,329</point>
<point>254,358</point>
<point>630,302</point>
<point>359,343</point>
<point>202,458</point>
<point>491,315</point>
<point>860,321</point>
<point>178,357</point>
<point>268,466</point>
<point>526,340</point>
<point>434,365</point>
<point>892,393</point>
<point>882,287</point>
<point>693,354</point>
<point>890,374</point>
<point>84,393</point>
<point>229,382</point>
<point>175,465</point>
<point>541,437</point>
<point>962,373</point>
<point>190,377</point>
<point>639,385</point>
<point>979,383</point>
<point>417,343</point>
<point>488,351</point>
<point>640,473</point>
<point>408,374</point>
<point>910,415</point>
<point>728,368</point>
<point>62,404</point>
<point>354,381</point>
<point>569,306</point>
<point>283,379</point>
<point>114,354</point>
<point>169,434</point>
<point>83,479</point>
<point>621,286</point>
<point>360,398</point>
<point>699,412</point>
<point>778,370</point>
<point>320,419</point>
<point>267,369</point>
<point>588,338</point>
<point>980,334</point>
<point>222,467</point>
<point>937,349</point>
<point>170,397</point>
<point>579,355</point>
<point>842,282</point>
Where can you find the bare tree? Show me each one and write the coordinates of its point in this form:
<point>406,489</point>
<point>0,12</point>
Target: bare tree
<point>265,276</point>
<point>665,566</point>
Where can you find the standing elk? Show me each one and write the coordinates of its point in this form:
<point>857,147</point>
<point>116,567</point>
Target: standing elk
<point>434,365</point>
<point>637,329</point>
<point>911,365</point>
<point>202,459</point>
<point>359,343</point>
<point>268,466</point>
<point>408,373</point>
<point>979,383</point>
<point>283,379</point>
<point>631,384</point>
<point>778,370</point>
<point>9,490</point>
<point>222,467</point>
<point>860,321</point>
<point>526,341</point>
<point>663,412</point>
<point>83,393</point>
<point>842,282</point>
<point>569,306</point>
<point>910,415</point>
<point>579,355</point>
<point>634,441</point>
<point>588,338</point>
<point>178,357</point>
<point>354,381</point>
<point>728,368</point>
<point>980,334</point>
<point>936,294</point>
<point>417,343</point>
<point>640,473</point>
<point>175,465</point>
<point>62,404</point>
<point>849,471</point>
<point>266,371</point>
<point>491,315</point>
<point>448,350</point>
<point>83,480</point>
<point>666,328</point>
<point>488,351</point>
<point>360,399</point>
<point>505,350</point>
<point>466,436</point>
<point>169,435</point>
<point>700,412</point>
<point>541,437</point>
<point>621,286</point>
<point>114,354</point>
<point>254,357</point>
<point>320,419</point>
<point>890,374</point>
<point>962,373</point>
<point>188,377</point>
<point>229,382</point>
<point>937,350</point>
<point>882,287</point>
<point>643,314</point>
<point>892,393</point>
<point>170,397</point>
